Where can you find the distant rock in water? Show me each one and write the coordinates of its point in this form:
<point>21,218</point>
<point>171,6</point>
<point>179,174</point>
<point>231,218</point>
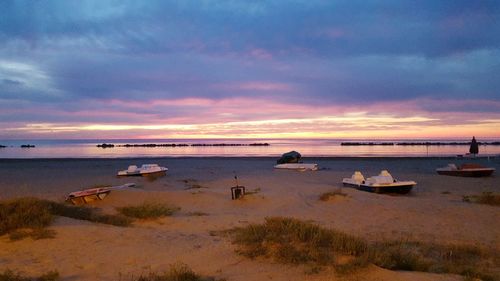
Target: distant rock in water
<point>106,145</point>
<point>153,145</point>
<point>27,146</point>
<point>365,143</point>
<point>2,146</point>
<point>194,144</point>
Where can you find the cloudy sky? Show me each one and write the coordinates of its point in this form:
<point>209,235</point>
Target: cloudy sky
<point>308,69</point>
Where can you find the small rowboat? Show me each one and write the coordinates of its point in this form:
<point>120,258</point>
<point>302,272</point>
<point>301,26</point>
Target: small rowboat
<point>466,170</point>
<point>298,166</point>
<point>88,195</point>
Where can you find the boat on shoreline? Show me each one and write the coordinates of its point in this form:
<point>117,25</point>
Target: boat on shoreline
<point>466,170</point>
<point>298,166</point>
<point>144,170</point>
<point>92,194</point>
<point>383,183</point>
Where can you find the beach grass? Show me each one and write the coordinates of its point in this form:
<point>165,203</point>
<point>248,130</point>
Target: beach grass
<point>23,214</point>
<point>148,210</point>
<point>10,275</point>
<point>326,196</point>
<point>291,241</point>
<point>89,214</point>
<point>177,272</point>
<point>488,198</point>
<point>197,214</point>
<point>29,217</point>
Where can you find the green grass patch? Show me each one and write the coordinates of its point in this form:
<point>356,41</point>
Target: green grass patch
<point>488,198</point>
<point>327,195</point>
<point>9,275</point>
<point>177,272</point>
<point>291,241</point>
<point>29,217</point>
<point>148,210</point>
<point>24,213</point>
<point>89,214</point>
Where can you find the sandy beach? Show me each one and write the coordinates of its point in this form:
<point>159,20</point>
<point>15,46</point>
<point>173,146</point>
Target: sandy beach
<point>81,250</point>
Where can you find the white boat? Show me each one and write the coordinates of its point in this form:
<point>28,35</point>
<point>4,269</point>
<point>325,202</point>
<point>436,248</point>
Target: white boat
<point>383,183</point>
<point>298,166</point>
<point>144,170</point>
<point>466,170</point>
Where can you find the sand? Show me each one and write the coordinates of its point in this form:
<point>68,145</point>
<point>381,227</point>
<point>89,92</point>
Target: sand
<point>81,250</point>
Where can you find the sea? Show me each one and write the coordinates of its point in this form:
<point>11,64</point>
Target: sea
<point>87,148</point>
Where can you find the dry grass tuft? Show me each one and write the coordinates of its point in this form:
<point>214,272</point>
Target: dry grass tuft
<point>197,214</point>
<point>29,217</point>
<point>326,196</point>
<point>148,210</point>
<point>24,213</point>
<point>488,198</point>
<point>177,272</point>
<point>9,275</point>
<point>292,241</point>
<point>89,214</point>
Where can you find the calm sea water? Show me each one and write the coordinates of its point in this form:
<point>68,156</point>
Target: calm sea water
<point>310,148</point>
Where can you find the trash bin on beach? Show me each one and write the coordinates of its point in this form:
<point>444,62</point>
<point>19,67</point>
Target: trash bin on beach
<point>237,191</point>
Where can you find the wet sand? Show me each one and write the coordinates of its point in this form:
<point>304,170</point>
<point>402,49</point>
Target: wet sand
<point>81,250</point>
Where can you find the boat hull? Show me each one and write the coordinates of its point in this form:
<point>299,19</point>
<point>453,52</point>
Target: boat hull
<point>142,174</point>
<point>297,166</point>
<point>477,173</point>
<point>87,196</point>
<point>395,189</point>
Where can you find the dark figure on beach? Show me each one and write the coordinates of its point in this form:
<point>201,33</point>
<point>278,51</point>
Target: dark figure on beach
<point>474,147</point>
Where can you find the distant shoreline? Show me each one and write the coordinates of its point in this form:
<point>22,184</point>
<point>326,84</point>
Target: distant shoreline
<point>304,159</point>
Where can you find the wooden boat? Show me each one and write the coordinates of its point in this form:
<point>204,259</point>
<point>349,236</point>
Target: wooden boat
<point>383,183</point>
<point>466,170</point>
<point>298,166</point>
<point>144,170</point>
<point>92,194</point>
<point>87,195</point>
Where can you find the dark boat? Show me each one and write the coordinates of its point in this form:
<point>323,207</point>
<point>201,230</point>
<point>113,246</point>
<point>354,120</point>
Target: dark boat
<point>466,170</point>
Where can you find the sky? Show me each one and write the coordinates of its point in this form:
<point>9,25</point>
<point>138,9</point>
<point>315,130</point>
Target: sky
<point>249,69</point>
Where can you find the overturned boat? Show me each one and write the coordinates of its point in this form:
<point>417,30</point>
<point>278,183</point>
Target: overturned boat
<point>383,183</point>
<point>144,170</point>
<point>298,166</point>
<point>466,170</point>
<point>93,194</point>
<point>291,161</point>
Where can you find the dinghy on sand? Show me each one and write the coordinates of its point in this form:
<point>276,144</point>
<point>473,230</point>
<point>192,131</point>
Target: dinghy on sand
<point>298,166</point>
<point>291,161</point>
<point>466,170</point>
<point>383,183</point>
<point>92,194</point>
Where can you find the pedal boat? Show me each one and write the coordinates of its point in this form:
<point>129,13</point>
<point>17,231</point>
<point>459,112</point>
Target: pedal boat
<point>383,183</point>
<point>144,170</point>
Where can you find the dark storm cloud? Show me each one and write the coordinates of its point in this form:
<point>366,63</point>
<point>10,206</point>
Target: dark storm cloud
<point>312,52</point>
